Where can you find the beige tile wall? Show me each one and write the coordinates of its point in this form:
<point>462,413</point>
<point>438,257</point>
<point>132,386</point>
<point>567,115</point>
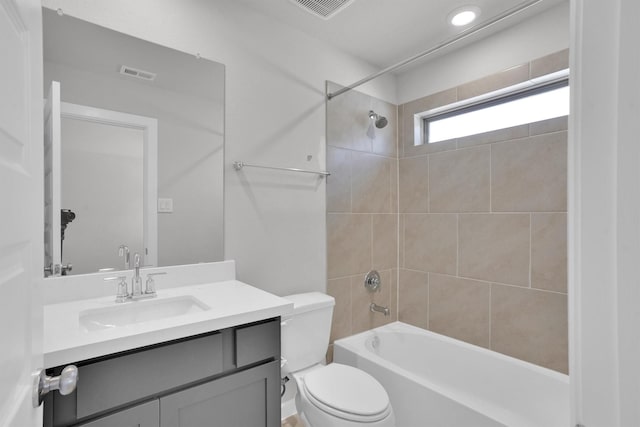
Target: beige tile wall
<point>482,246</point>
<point>362,211</point>
<point>469,235</point>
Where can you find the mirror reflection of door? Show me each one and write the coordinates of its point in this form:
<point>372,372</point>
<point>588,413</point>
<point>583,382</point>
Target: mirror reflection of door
<point>52,224</point>
<point>107,169</point>
<point>102,182</point>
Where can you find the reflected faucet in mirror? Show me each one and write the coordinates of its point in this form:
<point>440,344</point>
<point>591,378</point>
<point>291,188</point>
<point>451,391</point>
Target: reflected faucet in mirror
<point>123,251</point>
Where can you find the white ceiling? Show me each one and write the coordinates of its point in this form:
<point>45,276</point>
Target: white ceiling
<point>384,32</point>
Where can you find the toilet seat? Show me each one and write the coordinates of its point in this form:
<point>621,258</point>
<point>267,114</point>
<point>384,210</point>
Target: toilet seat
<point>346,392</point>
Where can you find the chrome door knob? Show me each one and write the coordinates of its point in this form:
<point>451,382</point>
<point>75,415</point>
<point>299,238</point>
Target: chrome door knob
<point>65,383</point>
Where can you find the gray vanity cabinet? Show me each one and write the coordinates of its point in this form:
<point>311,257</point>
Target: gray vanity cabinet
<point>227,378</point>
<point>242,400</point>
<point>145,415</point>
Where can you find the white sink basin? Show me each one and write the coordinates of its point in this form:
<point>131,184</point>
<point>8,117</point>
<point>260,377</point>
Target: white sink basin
<point>139,311</point>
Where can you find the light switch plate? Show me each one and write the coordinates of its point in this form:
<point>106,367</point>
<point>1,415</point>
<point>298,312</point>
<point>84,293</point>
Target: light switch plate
<point>165,205</point>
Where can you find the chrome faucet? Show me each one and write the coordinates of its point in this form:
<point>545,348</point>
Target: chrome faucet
<point>136,280</point>
<point>379,309</point>
<point>123,295</point>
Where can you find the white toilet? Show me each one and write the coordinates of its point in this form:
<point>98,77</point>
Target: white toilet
<point>332,395</point>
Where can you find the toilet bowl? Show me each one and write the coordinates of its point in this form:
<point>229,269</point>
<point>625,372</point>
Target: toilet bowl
<point>332,395</point>
<point>338,395</point>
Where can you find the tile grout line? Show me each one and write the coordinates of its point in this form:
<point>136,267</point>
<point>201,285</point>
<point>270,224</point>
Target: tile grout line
<point>397,213</point>
<point>350,307</point>
<point>488,282</point>
<point>490,178</point>
<point>401,237</point>
<point>428,297</point>
<point>457,244</point>
<point>428,183</point>
<point>350,181</point>
<point>490,316</point>
<point>371,266</point>
<point>485,213</point>
<point>390,188</point>
<point>361,274</point>
<point>530,249</point>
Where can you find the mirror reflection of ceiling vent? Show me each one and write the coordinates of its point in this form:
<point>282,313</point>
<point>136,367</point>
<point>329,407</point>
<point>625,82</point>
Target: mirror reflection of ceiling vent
<point>140,74</point>
<point>325,9</point>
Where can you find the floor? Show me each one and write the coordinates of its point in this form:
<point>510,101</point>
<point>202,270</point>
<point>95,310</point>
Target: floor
<point>293,421</point>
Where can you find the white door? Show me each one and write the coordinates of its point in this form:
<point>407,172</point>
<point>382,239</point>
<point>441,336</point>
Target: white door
<point>21,221</point>
<point>52,196</point>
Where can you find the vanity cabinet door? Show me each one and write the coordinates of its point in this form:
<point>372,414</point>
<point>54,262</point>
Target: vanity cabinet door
<point>108,384</point>
<point>145,415</point>
<point>249,398</point>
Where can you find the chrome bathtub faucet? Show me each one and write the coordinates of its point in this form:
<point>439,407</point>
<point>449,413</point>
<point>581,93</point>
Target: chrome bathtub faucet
<point>379,309</point>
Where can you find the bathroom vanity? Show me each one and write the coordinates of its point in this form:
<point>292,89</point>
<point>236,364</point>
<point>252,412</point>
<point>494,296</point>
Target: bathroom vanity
<point>203,354</point>
<point>228,377</point>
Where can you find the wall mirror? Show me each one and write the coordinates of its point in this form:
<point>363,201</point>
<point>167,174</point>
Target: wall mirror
<point>139,131</point>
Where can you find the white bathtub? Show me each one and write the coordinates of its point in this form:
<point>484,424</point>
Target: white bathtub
<point>436,381</point>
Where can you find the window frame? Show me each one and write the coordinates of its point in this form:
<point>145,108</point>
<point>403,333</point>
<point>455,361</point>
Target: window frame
<point>520,91</point>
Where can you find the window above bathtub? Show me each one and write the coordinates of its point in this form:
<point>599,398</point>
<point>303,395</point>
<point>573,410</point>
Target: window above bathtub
<point>543,98</point>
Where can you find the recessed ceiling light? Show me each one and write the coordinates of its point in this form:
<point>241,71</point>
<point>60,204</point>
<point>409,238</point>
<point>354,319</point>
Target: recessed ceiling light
<point>463,16</point>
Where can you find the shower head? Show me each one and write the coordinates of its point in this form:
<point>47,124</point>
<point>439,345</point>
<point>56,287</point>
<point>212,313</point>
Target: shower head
<point>380,121</point>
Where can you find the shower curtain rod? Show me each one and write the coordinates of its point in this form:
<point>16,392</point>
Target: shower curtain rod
<point>506,14</point>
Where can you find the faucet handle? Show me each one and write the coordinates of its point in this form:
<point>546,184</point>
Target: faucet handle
<point>150,286</point>
<point>121,294</point>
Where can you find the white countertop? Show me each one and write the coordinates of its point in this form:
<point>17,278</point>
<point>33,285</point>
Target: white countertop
<point>231,303</point>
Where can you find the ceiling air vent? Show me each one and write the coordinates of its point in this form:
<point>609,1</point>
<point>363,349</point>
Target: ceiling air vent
<point>325,9</point>
<point>140,74</point>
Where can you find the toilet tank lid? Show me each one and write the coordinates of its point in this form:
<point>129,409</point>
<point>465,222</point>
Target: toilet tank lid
<point>310,301</point>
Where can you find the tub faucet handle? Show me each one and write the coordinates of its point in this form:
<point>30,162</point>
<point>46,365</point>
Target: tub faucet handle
<point>372,281</point>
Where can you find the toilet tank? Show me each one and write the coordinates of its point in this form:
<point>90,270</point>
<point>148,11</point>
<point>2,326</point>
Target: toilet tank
<point>305,333</point>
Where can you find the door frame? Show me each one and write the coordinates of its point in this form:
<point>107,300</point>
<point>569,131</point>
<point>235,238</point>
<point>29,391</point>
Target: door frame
<point>604,213</point>
<point>149,127</point>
